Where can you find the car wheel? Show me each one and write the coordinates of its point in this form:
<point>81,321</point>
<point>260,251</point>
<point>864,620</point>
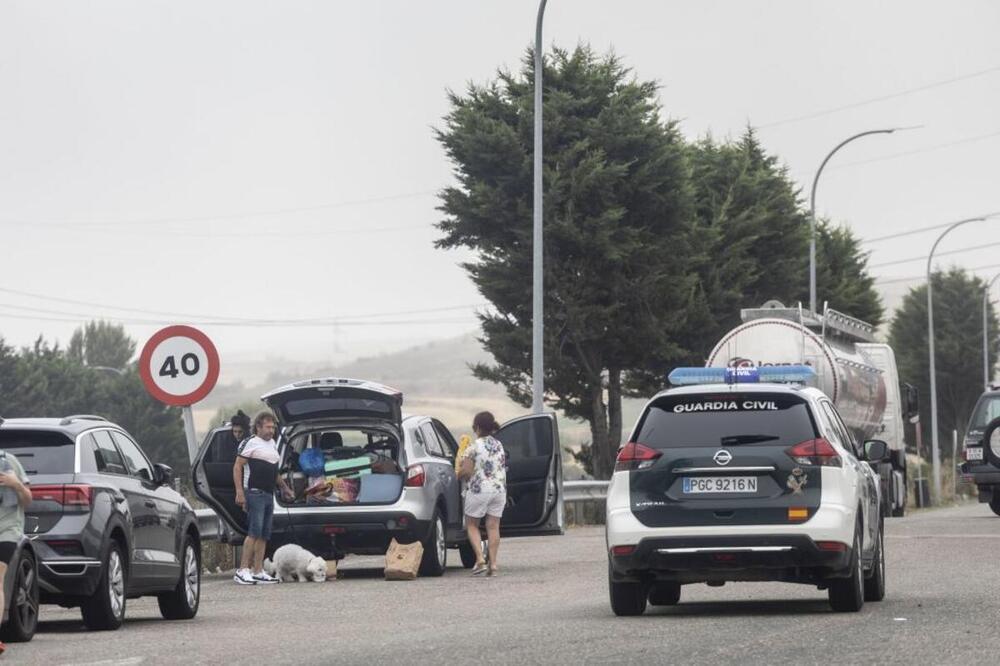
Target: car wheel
<point>467,554</point>
<point>664,594</point>
<point>847,595</point>
<point>627,598</point>
<point>435,557</point>
<point>105,609</point>
<point>875,583</point>
<point>995,502</point>
<point>22,617</point>
<point>181,603</point>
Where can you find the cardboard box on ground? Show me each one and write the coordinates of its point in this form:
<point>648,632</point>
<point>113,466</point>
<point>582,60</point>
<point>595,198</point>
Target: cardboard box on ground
<point>402,560</point>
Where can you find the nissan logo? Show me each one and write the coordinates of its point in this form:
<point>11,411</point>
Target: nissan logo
<point>723,457</point>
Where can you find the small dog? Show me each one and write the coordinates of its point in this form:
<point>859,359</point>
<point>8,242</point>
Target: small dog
<point>293,562</point>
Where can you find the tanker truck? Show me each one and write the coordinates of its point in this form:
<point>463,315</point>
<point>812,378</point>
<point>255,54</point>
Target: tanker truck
<point>856,372</point>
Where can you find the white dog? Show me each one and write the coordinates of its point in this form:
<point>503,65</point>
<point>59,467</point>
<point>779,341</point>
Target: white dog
<point>293,562</point>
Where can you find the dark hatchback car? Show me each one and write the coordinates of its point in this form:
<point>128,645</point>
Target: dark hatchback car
<point>105,525</point>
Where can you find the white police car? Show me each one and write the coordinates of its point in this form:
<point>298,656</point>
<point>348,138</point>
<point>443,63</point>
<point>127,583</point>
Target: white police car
<point>739,476</point>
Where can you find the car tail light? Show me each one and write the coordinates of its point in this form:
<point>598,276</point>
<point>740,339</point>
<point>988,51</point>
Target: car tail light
<point>66,548</point>
<point>69,495</point>
<point>622,551</point>
<point>636,456</point>
<point>815,452</point>
<point>415,476</point>
<point>832,546</point>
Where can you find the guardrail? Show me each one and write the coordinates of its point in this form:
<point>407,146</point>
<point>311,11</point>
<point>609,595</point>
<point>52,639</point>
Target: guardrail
<point>212,528</point>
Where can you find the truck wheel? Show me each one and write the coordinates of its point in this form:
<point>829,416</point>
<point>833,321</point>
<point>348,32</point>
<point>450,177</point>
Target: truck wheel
<point>875,583</point>
<point>105,609</point>
<point>847,595</point>
<point>664,594</point>
<point>435,557</point>
<point>627,598</point>
<point>995,502</point>
<point>181,603</point>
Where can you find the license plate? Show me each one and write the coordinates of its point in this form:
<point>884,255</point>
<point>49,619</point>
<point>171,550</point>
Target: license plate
<point>720,484</point>
<point>974,453</point>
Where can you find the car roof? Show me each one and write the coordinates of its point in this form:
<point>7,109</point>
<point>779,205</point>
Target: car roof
<point>71,425</point>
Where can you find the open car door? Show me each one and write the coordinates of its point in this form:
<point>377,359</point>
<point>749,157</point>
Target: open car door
<point>212,474</point>
<point>534,476</point>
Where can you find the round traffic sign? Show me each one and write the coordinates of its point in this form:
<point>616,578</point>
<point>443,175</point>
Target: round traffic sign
<point>179,365</point>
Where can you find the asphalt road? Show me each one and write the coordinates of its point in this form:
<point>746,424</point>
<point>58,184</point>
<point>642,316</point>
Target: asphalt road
<point>550,605</point>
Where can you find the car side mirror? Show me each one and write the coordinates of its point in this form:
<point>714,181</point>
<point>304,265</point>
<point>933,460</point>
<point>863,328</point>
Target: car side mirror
<point>162,474</point>
<point>876,450</point>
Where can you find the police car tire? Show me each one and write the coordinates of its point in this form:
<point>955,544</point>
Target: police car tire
<point>875,583</point>
<point>627,599</point>
<point>847,595</point>
<point>664,594</point>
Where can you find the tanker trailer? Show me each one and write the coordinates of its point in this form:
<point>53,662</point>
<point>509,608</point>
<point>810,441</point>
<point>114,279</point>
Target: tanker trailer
<point>858,374</point>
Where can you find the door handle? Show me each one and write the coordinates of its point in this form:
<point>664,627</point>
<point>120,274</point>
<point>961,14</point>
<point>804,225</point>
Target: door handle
<point>150,503</point>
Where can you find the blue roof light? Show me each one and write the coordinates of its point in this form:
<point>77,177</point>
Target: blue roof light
<point>780,374</point>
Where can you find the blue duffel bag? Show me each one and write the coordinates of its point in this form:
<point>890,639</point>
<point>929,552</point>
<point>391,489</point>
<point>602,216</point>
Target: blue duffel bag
<point>311,462</point>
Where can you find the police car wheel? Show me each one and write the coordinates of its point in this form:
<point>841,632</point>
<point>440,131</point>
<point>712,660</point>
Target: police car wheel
<point>627,598</point>
<point>847,595</point>
<point>664,594</point>
<point>875,583</point>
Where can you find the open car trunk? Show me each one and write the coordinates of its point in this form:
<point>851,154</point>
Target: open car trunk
<point>339,464</point>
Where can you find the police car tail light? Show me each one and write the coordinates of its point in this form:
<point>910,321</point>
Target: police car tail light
<point>815,452</point>
<point>415,476</point>
<point>636,456</point>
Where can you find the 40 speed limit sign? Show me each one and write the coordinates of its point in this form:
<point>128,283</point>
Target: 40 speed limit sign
<point>179,365</point>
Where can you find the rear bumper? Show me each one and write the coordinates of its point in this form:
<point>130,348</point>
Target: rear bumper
<point>68,577</point>
<point>795,558</point>
<point>982,474</point>
<point>335,534</point>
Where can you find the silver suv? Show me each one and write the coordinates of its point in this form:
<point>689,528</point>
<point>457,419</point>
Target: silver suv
<point>393,475</point>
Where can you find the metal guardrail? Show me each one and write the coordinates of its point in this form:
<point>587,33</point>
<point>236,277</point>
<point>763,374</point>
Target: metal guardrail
<point>212,528</point>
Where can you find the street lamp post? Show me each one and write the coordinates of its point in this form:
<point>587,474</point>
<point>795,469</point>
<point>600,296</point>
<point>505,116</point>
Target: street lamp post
<point>935,457</point>
<point>986,334</point>
<point>812,209</point>
<point>537,282</point>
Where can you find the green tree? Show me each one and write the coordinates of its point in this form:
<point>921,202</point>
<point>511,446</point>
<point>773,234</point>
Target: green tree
<point>842,277</point>
<point>617,215</point>
<point>101,343</point>
<point>958,342</point>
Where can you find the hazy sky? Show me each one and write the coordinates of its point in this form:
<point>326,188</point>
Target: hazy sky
<point>275,160</point>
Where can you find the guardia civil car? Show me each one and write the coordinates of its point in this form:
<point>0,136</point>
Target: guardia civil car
<point>744,475</point>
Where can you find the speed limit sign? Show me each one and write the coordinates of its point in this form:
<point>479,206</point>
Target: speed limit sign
<point>179,365</point>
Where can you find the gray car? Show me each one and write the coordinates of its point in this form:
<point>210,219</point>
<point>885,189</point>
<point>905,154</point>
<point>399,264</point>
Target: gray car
<point>105,525</point>
<point>398,471</point>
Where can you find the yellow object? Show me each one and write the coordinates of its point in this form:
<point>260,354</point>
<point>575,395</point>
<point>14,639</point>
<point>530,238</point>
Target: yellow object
<point>463,444</point>
<point>796,513</point>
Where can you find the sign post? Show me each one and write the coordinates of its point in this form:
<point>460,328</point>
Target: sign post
<point>179,366</point>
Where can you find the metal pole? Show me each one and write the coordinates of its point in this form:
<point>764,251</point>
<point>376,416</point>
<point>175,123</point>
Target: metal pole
<point>935,453</point>
<point>537,286</point>
<point>189,434</point>
<point>986,335</point>
<point>812,209</point>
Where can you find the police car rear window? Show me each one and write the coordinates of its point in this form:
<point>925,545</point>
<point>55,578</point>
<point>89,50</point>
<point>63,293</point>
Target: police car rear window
<point>731,419</point>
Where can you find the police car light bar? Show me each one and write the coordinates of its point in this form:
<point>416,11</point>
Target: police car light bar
<point>779,374</point>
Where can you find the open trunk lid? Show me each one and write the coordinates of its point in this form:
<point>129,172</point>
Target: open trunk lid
<point>335,398</point>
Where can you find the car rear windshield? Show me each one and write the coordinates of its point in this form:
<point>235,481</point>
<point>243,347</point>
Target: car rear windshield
<point>731,419</point>
<point>40,451</point>
<point>987,410</point>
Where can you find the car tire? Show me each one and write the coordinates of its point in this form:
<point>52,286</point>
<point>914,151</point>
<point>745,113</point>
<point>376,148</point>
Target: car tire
<point>181,603</point>
<point>104,610</point>
<point>847,595</point>
<point>875,583</point>
<point>995,502</point>
<point>664,594</point>
<point>627,599</point>
<point>467,555</point>
<point>22,613</point>
<point>435,557</point>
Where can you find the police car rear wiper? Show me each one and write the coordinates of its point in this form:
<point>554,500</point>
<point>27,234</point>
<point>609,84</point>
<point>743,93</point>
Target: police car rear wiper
<point>747,439</point>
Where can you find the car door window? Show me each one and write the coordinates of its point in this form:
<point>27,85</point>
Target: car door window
<point>829,428</point>
<point>88,454</point>
<point>842,433</point>
<point>109,460</point>
<point>448,444</point>
<point>431,441</point>
<point>137,464</point>
<point>852,443</point>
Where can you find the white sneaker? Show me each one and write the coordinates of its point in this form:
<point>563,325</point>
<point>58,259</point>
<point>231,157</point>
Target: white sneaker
<point>264,578</point>
<point>244,577</point>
